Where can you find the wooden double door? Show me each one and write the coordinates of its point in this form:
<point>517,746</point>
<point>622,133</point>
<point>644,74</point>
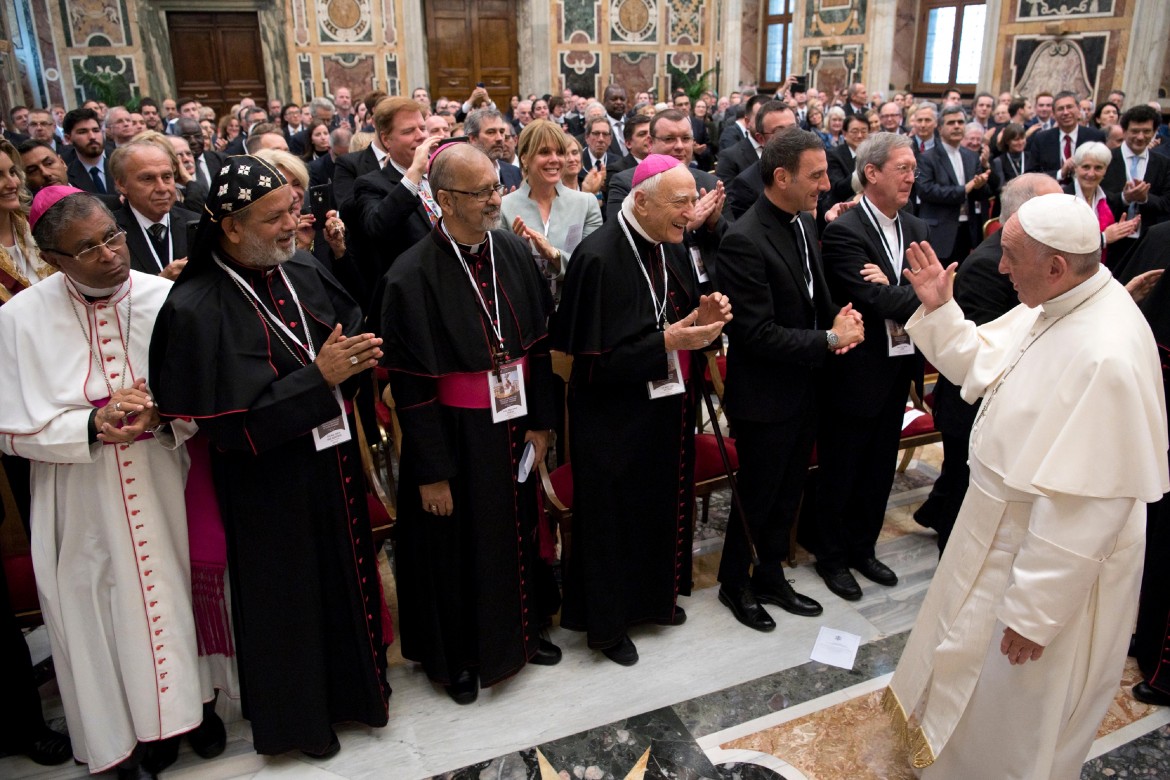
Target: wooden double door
<point>469,42</point>
<point>217,58</point>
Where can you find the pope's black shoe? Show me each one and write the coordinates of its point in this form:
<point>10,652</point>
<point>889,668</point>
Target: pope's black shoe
<point>464,689</point>
<point>841,582</point>
<point>623,652</point>
<point>747,609</point>
<point>680,616</point>
<point>547,654</point>
<point>781,593</point>
<point>132,769</point>
<point>873,569</point>
<point>159,754</point>
<point>332,749</point>
<point>1144,692</point>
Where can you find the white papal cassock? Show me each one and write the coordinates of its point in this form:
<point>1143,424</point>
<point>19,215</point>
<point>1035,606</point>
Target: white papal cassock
<point>109,535</point>
<point>1070,442</point>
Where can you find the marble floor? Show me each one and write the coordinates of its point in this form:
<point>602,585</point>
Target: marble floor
<point>709,699</point>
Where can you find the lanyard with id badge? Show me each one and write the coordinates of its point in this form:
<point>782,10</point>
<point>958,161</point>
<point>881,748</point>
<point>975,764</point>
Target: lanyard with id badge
<point>506,379</point>
<point>898,342</point>
<point>331,432</point>
<point>673,383</point>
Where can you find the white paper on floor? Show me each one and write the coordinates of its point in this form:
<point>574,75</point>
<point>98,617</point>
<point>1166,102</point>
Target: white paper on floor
<point>836,648</point>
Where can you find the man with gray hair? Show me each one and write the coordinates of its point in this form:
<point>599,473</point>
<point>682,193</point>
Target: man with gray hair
<point>953,189</point>
<point>1019,646</point>
<point>867,388</point>
<point>487,129</point>
<point>984,294</point>
<point>119,127</point>
<point>321,109</point>
<point>472,606</point>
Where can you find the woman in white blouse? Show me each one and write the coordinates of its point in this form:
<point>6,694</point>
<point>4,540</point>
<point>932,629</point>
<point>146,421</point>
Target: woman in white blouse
<point>20,262</point>
<point>542,210</point>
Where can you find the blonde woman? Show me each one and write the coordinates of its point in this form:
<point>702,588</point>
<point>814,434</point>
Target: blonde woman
<point>20,262</point>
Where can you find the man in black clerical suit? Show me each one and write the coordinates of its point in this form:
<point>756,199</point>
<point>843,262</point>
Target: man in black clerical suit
<point>984,294</point>
<point>785,328</point>
<point>952,190</point>
<point>865,391</point>
<point>156,231</point>
<point>1051,151</point>
<point>392,208</point>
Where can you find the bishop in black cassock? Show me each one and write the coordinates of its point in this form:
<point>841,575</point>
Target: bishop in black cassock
<point>471,601</point>
<point>240,346</point>
<point>632,456</point>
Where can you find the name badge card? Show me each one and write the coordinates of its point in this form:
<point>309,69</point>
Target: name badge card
<point>898,340</point>
<point>335,431</point>
<point>507,393</point>
<point>673,384</point>
<point>700,266</point>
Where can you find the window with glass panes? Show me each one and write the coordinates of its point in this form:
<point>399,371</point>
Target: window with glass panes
<point>950,45</point>
<point>778,38</point>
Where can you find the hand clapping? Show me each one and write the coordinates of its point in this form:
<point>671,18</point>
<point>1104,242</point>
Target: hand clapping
<point>342,356</point>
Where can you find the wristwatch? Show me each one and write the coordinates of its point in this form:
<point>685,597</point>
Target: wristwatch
<point>831,339</point>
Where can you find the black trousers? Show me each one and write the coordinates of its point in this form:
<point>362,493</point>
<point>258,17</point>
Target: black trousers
<point>857,458</point>
<point>1153,622</point>
<point>773,463</point>
<point>963,241</point>
<point>20,706</point>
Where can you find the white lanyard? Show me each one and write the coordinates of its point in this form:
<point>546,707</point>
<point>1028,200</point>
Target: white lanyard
<point>1020,169</point>
<point>659,310</point>
<point>497,329</point>
<point>895,259</point>
<point>247,288</point>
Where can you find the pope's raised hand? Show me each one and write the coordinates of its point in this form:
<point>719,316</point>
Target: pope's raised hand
<point>931,282</point>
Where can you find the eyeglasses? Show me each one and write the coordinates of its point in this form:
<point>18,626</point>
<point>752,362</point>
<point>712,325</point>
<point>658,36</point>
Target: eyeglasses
<point>902,170</point>
<point>598,133</point>
<point>671,140</point>
<point>485,194</point>
<point>94,253</point>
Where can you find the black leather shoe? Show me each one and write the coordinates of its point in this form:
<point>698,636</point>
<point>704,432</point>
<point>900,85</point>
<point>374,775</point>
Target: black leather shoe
<point>1147,694</point>
<point>132,769</point>
<point>160,754</point>
<point>209,739</point>
<point>48,748</point>
<point>841,582</point>
<point>680,616</point>
<point>923,519</point>
<point>747,609</point>
<point>547,654</point>
<point>623,652</point>
<point>782,594</point>
<point>332,749</point>
<point>464,689</point>
<point>875,570</point>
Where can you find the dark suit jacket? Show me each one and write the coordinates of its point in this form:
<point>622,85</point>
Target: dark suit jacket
<point>866,375</point>
<point>214,161</point>
<point>1157,207</point>
<point>744,191</point>
<point>236,146</point>
<point>729,136</point>
<point>141,258</point>
<point>79,177</point>
<point>841,167</point>
<point>347,168</point>
<point>298,142</point>
<point>734,160</point>
<point>942,198</point>
<point>384,220</point>
<point>510,175</point>
<point>321,170</point>
<point>706,160</point>
<point>778,333</point>
<point>611,160</point>
<point>1044,152</point>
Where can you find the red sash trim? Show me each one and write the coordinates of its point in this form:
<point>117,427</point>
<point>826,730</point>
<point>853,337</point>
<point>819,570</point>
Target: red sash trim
<point>470,390</point>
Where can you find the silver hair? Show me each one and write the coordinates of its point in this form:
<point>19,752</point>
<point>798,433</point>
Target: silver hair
<point>1093,150</point>
<point>340,134</point>
<point>835,111</point>
<point>110,115</point>
<point>933,109</point>
<point>321,102</point>
<point>475,120</point>
<point>876,149</point>
<point>1019,191</point>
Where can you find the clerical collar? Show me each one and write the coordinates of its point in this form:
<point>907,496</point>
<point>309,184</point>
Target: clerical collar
<point>786,217</point>
<point>878,214</point>
<point>1064,303</point>
<point>92,294</point>
<point>260,272</point>
<point>632,221</point>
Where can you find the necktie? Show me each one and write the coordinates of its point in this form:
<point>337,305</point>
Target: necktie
<point>596,164</point>
<point>96,175</point>
<point>1133,176</point>
<point>921,145</point>
<point>200,175</point>
<point>1067,146</point>
<point>158,237</point>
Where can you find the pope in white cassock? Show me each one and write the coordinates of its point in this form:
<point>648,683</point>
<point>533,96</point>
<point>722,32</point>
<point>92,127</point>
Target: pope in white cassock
<point>1019,647</point>
<point>109,535</point>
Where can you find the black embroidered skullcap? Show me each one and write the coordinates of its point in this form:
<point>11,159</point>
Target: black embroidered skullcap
<point>242,181</point>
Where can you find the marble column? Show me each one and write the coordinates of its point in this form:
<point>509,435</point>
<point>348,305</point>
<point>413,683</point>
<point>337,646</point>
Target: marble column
<point>881,21</point>
<point>990,48</point>
<point>415,73</point>
<point>1147,51</point>
<point>730,46</point>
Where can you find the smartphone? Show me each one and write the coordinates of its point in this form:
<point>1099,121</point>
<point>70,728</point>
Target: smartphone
<point>800,84</point>
<point>481,85</point>
<point>192,231</point>
<point>319,203</point>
